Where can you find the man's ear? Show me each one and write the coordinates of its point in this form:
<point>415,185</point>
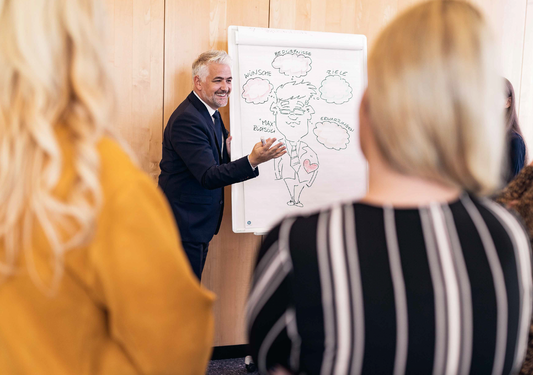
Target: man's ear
<point>197,83</point>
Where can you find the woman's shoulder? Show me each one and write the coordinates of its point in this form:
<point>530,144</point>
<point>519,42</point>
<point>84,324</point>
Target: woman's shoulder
<point>305,225</point>
<point>497,216</point>
<point>501,222</point>
<point>516,136</point>
<point>117,169</point>
<point>112,153</point>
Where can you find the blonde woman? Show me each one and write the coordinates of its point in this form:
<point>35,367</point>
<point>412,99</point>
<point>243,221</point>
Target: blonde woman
<point>422,275</point>
<point>93,276</point>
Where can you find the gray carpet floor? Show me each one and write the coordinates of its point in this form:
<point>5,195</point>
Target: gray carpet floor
<point>233,366</point>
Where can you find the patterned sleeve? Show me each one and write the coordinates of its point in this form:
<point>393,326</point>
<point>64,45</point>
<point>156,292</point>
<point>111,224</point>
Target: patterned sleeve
<point>520,185</point>
<point>518,195</point>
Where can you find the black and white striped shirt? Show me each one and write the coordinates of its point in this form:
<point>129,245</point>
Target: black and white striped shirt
<point>440,289</point>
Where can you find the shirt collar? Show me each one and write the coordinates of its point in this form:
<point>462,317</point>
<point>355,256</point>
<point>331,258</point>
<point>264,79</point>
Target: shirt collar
<point>211,110</point>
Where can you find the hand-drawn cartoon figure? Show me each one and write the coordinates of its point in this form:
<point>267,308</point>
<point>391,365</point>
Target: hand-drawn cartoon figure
<point>299,166</point>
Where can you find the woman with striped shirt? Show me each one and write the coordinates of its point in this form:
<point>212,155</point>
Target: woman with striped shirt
<point>422,275</point>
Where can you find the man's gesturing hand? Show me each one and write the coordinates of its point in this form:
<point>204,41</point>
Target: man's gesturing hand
<point>261,153</point>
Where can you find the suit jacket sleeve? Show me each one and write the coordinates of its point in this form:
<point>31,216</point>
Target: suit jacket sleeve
<point>191,142</point>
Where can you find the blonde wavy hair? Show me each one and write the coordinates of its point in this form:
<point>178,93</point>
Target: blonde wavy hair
<point>53,75</point>
<point>435,96</point>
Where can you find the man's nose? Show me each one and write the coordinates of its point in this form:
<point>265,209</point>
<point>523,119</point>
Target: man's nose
<point>292,116</point>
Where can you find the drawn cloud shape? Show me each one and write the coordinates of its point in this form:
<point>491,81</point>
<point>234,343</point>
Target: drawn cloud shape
<point>331,135</point>
<point>336,90</point>
<point>292,65</point>
<point>256,90</point>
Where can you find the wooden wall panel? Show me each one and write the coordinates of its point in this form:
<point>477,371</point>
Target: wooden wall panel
<point>316,15</point>
<point>135,55</point>
<point>373,16</point>
<point>187,27</point>
<point>191,28</point>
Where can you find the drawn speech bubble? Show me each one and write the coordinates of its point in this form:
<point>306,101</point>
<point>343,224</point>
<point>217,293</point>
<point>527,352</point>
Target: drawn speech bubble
<point>292,65</point>
<point>335,90</point>
<point>331,135</point>
<point>256,90</point>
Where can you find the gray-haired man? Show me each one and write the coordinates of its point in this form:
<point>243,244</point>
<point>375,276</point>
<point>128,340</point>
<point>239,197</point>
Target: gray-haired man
<point>196,157</point>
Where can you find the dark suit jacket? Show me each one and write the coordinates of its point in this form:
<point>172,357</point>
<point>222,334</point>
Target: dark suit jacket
<point>193,174</point>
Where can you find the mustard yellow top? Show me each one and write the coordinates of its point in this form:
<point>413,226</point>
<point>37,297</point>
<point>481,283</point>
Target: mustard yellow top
<point>128,303</point>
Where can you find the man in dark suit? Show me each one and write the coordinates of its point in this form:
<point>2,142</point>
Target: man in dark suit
<point>196,157</point>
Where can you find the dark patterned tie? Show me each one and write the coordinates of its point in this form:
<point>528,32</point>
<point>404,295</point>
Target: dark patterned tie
<point>218,130</point>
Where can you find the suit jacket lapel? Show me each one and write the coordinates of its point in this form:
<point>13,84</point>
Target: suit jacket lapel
<point>225,133</point>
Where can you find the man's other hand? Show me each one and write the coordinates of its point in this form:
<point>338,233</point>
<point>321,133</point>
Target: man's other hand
<point>228,145</point>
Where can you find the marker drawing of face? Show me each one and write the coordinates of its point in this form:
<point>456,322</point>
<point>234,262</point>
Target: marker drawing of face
<point>292,110</point>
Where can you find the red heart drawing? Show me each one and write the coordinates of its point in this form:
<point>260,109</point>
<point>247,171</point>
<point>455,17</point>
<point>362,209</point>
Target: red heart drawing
<point>310,167</point>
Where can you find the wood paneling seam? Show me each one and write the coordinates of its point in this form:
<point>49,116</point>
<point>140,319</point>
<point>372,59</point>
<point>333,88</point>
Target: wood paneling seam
<point>269,7</point>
